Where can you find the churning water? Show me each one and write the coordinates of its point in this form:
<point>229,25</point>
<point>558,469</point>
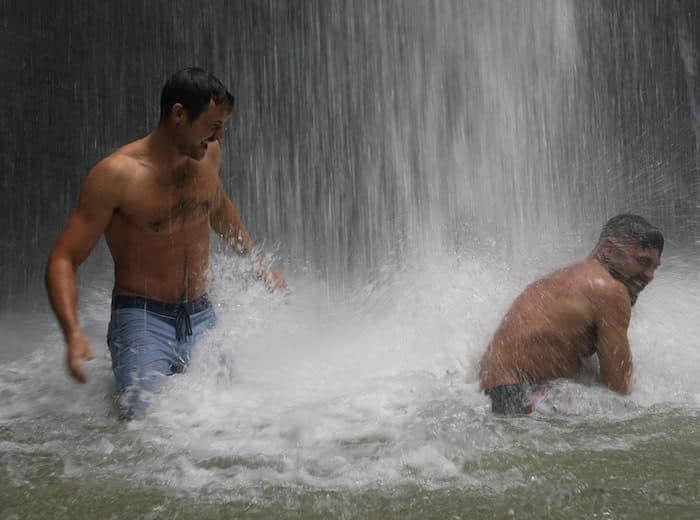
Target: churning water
<point>417,163</point>
<point>357,404</point>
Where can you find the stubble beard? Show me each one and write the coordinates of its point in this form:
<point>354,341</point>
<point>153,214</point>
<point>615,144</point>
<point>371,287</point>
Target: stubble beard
<point>632,289</point>
<point>196,153</point>
<point>630,283</point>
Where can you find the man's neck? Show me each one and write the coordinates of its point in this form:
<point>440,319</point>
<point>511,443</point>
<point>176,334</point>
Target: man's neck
<point>617,275</point>
<point>163,150</point>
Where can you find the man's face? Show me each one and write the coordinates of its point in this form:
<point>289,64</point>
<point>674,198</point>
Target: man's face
<point>634,266</point>
<point>195,135</point>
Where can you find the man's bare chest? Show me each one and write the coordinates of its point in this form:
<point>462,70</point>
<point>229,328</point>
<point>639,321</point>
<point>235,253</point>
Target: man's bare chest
<point>167,209</point>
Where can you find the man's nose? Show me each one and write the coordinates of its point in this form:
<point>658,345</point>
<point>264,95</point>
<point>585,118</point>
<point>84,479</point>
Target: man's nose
<point>649,274</point>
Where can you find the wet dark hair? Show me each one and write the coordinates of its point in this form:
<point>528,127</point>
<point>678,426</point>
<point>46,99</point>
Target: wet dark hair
<point>633,229</point>
<point>193,88</point>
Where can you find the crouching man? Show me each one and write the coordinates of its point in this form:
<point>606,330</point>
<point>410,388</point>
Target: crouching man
<point>571,314</point>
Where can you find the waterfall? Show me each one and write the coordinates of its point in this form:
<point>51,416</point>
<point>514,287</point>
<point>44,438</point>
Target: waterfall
<point>366,133</point>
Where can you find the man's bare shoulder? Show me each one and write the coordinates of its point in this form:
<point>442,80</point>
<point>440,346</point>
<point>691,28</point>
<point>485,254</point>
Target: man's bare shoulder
<point>585,279</point>
<point>602,289</point>
<point>105,182</point>
<point>565,278</point>
<point>108,180</point>
<point>119,165</point>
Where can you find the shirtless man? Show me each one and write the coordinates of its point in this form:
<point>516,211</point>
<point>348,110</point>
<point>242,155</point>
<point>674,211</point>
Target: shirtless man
<point>155,200</point>
<point>571,314</point>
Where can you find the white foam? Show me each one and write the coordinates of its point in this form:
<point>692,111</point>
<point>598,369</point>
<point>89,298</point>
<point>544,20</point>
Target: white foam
<point>342,389</point>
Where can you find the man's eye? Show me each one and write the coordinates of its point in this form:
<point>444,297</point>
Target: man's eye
<point>645,262</point>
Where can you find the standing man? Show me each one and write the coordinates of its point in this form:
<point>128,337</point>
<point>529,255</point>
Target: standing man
<point>155,200</point>
<point>571,314</point>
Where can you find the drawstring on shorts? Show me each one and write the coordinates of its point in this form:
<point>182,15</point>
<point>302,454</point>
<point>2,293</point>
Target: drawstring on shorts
<point>183,323</point>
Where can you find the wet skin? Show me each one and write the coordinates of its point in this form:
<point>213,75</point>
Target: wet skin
<point>570,315</point>
<point>155,200</point>
<point>159,234</point>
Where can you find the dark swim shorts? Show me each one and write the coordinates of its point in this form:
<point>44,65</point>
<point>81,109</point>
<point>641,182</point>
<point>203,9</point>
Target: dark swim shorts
<point>520,399</point>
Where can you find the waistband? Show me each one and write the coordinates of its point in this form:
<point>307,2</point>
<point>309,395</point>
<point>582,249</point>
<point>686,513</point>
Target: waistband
<point>520,398</point>
<point>172,310</point>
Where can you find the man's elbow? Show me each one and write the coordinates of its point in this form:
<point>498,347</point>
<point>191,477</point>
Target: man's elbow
<point>56,264</point>
<point>50,269</point>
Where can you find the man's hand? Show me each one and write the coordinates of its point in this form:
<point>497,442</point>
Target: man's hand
<point>78,351</point>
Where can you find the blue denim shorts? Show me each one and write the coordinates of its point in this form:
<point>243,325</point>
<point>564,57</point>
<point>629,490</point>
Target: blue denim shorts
<point>149,340</point>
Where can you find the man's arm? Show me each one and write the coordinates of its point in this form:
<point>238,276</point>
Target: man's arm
<point>89,219</point>
<point>227,223</point>
<point>614,355</point>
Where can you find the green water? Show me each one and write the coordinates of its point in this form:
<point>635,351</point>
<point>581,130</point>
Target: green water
<point>657,477</point>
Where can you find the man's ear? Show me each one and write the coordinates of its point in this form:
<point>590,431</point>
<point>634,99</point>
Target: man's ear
<point>608,247</point>
<point>178,114</point>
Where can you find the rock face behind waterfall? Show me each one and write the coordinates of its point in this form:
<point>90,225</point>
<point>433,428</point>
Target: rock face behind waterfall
<point>366,132</point>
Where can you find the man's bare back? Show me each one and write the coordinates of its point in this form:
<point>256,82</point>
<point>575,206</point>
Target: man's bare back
<point>552,326</point>
<point>571,314</point>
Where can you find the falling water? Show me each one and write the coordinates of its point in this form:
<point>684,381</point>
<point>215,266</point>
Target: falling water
<point>411,166</point>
